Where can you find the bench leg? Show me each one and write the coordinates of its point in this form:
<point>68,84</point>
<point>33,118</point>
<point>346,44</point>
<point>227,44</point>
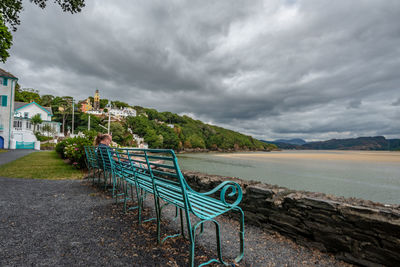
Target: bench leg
<point>139,193</point>
<point>126,195</point>
<point>241,235</point>
<point>158,218</point>
<point>218,241</point>
<point>182,223</point>
<point>98,178</point>
<point>93,171</point>
<point>105,174</point>
<point>114,184</point>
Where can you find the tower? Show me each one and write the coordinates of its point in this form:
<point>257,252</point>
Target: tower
<point>96,102</point>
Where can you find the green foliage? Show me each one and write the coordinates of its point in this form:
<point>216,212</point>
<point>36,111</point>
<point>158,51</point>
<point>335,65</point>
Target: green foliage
<point>188,133</point>
<point>42,138</point>
<point>9,14</point>
<point>62,107</point>
<point>103,102</point>
<point>36,120</point>
<point>46,100</point>
<point>81,122</point>
<point>117,131</point>
<point>152,139</point>
<point>119,104</point>
<point>73,149</point>
<point>47,129</point>
<point>27,95</point>
<point>5,41</point>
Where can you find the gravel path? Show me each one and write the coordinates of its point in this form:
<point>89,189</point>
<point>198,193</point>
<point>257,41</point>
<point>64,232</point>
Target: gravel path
<point>11,155</point>
<point>70,222</point>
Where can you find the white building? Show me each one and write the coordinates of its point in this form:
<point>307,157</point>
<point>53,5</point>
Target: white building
<point>23,127</point>
<point>94,112</point>
<point>7,93</point>
<point>122,112</point>
<point>140,141</point>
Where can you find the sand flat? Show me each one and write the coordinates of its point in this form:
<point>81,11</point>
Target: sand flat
<point>338,155</point>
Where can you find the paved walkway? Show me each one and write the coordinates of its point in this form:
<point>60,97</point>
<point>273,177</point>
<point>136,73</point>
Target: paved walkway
<point>64,223</point>
<point>11,155</point>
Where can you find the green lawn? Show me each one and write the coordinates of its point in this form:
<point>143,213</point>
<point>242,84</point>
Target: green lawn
<point>40,165</point>
<point>2,150</point>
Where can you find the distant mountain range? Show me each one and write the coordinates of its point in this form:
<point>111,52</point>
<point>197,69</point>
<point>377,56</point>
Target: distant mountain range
<point>296,141</point>
<point>361,143</point>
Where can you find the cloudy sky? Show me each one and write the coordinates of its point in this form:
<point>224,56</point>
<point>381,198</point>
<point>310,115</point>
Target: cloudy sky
<point>311,69</point>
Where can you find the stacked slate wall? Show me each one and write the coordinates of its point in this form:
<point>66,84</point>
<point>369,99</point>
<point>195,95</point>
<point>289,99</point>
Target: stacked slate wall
<point>356,231</point>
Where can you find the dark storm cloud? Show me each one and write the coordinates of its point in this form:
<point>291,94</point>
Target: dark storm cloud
<point>273,69</point>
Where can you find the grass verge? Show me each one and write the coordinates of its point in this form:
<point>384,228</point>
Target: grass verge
<point>2,150</point>
<point>40,165</point>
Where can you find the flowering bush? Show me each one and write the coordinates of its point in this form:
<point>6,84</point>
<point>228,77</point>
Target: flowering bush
<point>73,149</point>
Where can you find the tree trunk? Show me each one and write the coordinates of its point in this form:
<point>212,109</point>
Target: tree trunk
<point>63,124</point>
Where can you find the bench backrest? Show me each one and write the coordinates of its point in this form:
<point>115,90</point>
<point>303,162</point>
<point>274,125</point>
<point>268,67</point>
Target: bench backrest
<point>168,180</point>
<point>91,156</point>
<point>160,168</point>
<point>103,158</point>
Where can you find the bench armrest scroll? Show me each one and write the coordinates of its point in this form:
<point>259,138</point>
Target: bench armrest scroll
<point>230,189</point>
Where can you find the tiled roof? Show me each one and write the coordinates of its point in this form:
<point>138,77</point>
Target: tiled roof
<point>4,73</point>
<point>18,105</point>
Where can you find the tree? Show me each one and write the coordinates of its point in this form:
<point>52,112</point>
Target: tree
<point>117,131</point>
<point>47,129</point>
<point>36,120</point>
<point>152,139</point>
<point>119,104</point>
<point>103,102</point>
<point>27,95</point>
<point>5,40</point>
<point>63,107</point>
<point>9,15</point>
<point>46,100</point>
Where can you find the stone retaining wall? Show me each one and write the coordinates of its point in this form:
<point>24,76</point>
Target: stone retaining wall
<point>357,231</point>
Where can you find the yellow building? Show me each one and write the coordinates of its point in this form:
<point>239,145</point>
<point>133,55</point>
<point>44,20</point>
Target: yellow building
<point>96,102</point>
<point>86,106</point>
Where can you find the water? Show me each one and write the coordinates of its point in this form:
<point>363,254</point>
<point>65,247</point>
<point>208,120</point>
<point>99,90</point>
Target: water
<point>362,174</point>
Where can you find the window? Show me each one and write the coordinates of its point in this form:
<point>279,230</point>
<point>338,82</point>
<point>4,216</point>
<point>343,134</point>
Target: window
<point>5,81</point>
<point>17,124</point>
<point>4,101</point>
<point>28,125</point>
<point>26,114</point>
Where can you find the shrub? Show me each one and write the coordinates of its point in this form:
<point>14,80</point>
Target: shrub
<point>42,138</point>
<point>73,149</point>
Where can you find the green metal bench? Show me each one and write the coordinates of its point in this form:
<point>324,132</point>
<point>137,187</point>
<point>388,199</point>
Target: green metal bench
<point>92,162</point>
<point>156,171</point>
<point>98,162</point>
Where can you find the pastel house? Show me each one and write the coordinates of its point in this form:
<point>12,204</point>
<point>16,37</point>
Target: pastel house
<point>7,93</point>
<point>23,126</point>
